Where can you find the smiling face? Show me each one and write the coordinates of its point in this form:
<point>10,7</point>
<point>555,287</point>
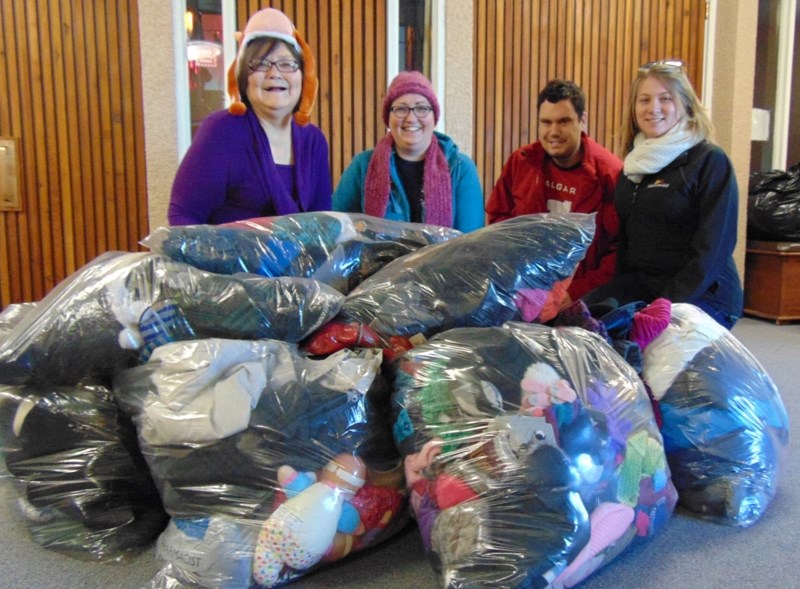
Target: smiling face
<point>273,94</point>
<point>560,132</point>
<point>656,110</point>
<point>412,134</point>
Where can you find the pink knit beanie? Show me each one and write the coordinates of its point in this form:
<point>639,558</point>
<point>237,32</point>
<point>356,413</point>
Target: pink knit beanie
<point>410,83</point>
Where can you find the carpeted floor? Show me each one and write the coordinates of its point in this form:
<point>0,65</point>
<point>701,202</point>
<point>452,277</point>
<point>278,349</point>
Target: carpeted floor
<point>690,553</point>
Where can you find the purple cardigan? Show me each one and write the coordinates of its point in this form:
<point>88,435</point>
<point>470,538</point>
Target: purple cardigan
<point>228,173</point>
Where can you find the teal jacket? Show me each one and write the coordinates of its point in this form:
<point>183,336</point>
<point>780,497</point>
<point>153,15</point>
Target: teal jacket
<point>468,212</point>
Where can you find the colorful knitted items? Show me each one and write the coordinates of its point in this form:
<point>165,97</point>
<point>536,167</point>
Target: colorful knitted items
<point>527,445</point>
<point>649,322</point>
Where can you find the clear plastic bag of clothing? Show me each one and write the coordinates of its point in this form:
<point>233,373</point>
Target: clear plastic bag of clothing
<point>724,423</point>
<point>270,463</point>
<point>518,269</point>
<point>111,313</point>
<point>338,249</point>
<point>531,454</point>
<point>80,485</point>
<point>773,205</point>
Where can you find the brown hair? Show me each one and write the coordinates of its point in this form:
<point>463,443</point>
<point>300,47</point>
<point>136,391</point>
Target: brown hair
<point>674,78</point>
<point>256,50</point>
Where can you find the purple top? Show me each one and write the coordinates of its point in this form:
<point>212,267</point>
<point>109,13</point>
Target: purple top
<point>228,173</point>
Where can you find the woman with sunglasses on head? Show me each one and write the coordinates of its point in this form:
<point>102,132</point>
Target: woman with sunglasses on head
<point>677,202</point>
<point>414,173</point>
<point>260,157</point>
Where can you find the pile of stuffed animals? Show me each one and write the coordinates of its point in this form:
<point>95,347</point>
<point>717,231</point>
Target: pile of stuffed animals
<point>267,397</point>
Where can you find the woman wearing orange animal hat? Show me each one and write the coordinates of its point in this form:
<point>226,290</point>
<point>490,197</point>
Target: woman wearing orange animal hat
<point>260,157</point>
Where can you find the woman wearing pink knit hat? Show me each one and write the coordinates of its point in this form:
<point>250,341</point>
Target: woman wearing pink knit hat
<point>260,157</point>
<point>414,173</point>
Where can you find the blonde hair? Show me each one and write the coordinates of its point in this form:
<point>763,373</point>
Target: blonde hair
<point>674,78</point>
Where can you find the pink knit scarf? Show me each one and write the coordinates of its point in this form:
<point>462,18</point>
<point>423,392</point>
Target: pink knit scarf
<point>437,190</point>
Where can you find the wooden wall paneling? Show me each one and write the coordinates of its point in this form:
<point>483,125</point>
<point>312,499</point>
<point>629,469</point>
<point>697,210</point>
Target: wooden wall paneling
<point>488,115</point>
<point>52,220</point>
<point>506,64</point>
<point>547,31</point>
<point>624,66</point>
<point>359,57</point>
<point>528,95</point>
<point>350,62</point>
<point>106,76</point>
<point>577,65</point>
<point>603,83</point>
<point>136,174</point>
<point>479,76</point>
<point>497,114</point>
<point>86,134</point>
<point>322,50</point>
<point>515,65</point>
<point>535,70</point>
<point>32,136</point>
<point>593,81</point>
<point>336,64</point>
<point>610,96</point>
<point>380,57</point>
<point>71,98</point>
<point>95,200</point>
<point>633,61</point>
<point>9,247</point>
<point>368,81</point>
<point>116,161</point>
<point>70,147</point>
<point>670,32</point>
<point>569,38</point>
<point>62,228</point>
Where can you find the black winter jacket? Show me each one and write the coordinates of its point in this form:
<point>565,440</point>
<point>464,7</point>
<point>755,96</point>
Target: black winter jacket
<point>678,230</point>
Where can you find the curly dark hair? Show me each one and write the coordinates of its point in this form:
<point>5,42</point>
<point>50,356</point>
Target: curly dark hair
<point>558,90</point>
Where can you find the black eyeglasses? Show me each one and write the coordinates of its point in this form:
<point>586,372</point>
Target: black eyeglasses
<point>285,66</point>
<point>662,63</point>
<point>401,112</point>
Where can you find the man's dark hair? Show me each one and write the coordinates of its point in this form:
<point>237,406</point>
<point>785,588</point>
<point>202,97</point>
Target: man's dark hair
<point>558,90</point>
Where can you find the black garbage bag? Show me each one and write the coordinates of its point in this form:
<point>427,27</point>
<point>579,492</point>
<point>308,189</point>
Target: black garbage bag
<point>773,205</point>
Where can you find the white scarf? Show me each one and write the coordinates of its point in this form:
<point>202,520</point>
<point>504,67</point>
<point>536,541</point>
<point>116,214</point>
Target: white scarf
<point>649,156</point>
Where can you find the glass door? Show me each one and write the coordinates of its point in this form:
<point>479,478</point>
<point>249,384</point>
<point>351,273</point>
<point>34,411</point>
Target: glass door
<point>776,114</point>
<point>205,48</point>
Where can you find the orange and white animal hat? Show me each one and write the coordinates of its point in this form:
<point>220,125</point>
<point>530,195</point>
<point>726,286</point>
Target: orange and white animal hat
<point>272,23</point>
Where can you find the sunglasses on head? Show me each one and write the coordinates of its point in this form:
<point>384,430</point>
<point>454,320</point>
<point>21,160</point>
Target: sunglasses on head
<point>662,63</point>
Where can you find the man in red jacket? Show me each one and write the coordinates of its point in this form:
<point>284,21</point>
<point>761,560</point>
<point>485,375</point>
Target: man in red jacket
<point>564,171</point>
